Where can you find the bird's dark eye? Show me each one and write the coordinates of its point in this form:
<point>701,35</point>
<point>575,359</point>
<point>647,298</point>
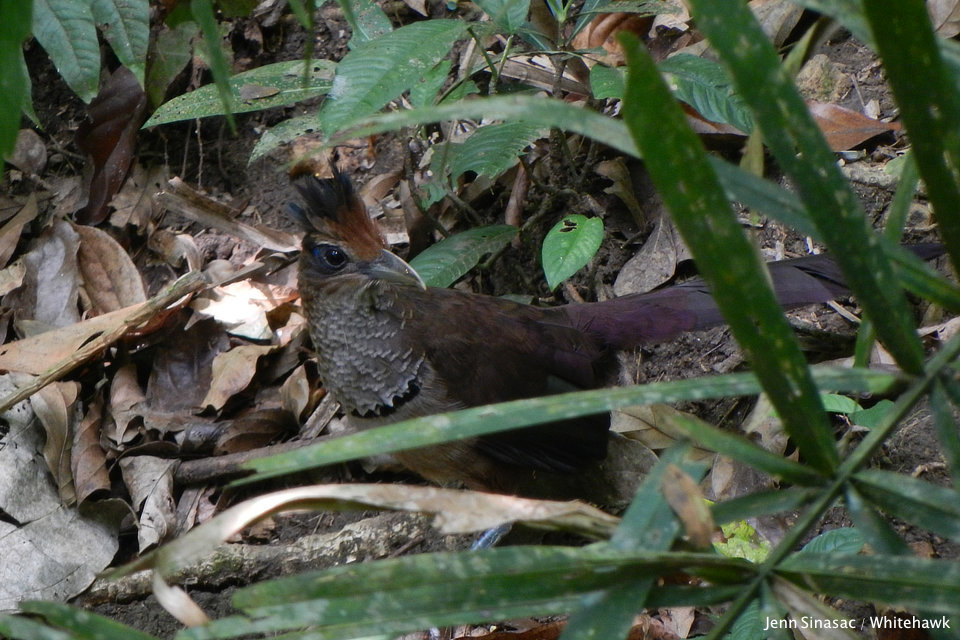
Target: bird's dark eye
<point>329,257</point>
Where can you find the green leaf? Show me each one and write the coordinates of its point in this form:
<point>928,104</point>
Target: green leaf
<point>283,133</point>
<point>679,168</point>
<point>748,625</point>
<point>926,91</point>
<point>125,24</point>
<point>740,448</point>
<point>173,51</point>
<point>14,81</point>
<point>871,417</point>
<point>82,623</point>
<point>475,421</point>
<point>570,245</point>
<point>491,150</point>
<point>23,628</point>
<point>761,503</point>
<point>272,85</point>
<point>413,592</point>
<point>921,503</point>
<point>842,541</point>
<point>424,92</point>
<point>704,85</point>
<point>445,262</point>
<point>649,524</point>
<point>202,11</point>
<point>508,14</point>
<point>379,70</point>
<point>802,152</point>
<point>899,581</point>
<point>540,111</point>
<point>68,33</point>
<point>366,19</point>
<point>742,541</point>
<point>607,82</point>
<point>834,403</point>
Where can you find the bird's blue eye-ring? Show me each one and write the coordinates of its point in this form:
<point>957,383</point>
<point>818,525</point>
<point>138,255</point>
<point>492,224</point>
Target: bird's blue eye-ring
<point>329,257</point>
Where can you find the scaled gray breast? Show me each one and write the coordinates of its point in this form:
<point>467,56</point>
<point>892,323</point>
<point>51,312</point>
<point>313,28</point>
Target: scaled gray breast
<point>362,359</point>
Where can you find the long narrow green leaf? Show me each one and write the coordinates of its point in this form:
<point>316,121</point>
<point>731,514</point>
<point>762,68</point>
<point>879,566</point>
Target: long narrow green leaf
<point>649,524</point>
<point>23,628</point>
<point>14,83</point>
<point>799,147</point>
<point>899,581</point>
<point>420,432</point>
<point>739,448</point>
<point>540,111</point>
<point>946,425</point>
<point>921,503</point>
<point>761,503</point>
<point>202,11</point>
<point>415,592</point>
<point>929,105</point>
<point>678,165</point>
<point>81,623</point>
<point>872,525</point>
<point>272,85</point>
<point>781,205</point>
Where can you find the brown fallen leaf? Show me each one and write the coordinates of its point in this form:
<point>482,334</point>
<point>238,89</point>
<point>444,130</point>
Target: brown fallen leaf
<point>11,229</point>
<point>48,298</point>
<point>110,279</point>
<point>87,460</point>
<point>55,407</point>
<point>845,128</point>
<point>232,372</point>
<point>108,136</point>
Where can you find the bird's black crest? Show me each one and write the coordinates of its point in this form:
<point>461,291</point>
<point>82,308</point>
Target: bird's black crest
<point>325,199</point>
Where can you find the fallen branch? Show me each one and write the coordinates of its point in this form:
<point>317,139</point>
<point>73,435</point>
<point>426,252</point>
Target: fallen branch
<point>187,284</point>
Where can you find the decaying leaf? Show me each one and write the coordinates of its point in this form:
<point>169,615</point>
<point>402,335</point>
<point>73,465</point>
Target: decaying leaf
<point>242,307</point>
<point>655,263</point>
<point>455,512</point>
<point>254,430</point>
<point>134,203</point>
<point>150,482</point>
<point>55,406</point>
<point>182,373</point>
<point>686,500</point>
<point>846,128</point>
<point>87,460</point>
<point>295,392</point>
<point>53,552</point>
<point>51,285</point>
<point>107,137</point>
<point>232,372</point>
<point>11,229</point>
<point>110,279</point>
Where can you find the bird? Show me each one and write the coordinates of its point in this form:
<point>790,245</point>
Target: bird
<point>389,348</point>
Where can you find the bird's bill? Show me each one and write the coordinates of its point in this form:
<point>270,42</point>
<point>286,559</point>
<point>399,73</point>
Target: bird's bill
<point>390,268</point>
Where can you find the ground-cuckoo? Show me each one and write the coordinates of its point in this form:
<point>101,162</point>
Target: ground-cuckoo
<point>389,348</point>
